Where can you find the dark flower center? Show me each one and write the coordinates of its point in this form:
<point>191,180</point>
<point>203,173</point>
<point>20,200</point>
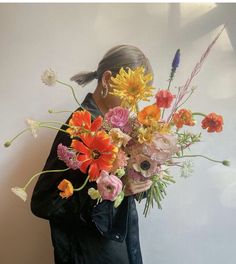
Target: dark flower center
<point>96,154</point>
<point>109,188</point>
<point>145,165</point>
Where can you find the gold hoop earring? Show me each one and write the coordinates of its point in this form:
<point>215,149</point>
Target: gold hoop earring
<point>104,91</point>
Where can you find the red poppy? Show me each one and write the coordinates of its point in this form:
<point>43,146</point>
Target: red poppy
<point>183,117</point>
<point>213,123</point>
<point>164,98</point>
<point>96,152</point>
<point>81,122</point>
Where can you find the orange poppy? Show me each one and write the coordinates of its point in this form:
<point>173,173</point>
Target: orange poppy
<point>213,123</point>
<point>81,122</point>
<point>149,114</point>
<point>183,117</point>
<point>66,188</point>
<point>96,152</point>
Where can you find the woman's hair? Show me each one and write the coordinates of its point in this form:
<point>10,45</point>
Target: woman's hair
<point>115,58</point>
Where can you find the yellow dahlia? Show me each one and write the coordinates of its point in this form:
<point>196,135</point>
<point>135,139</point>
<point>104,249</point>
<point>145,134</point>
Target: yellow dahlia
<point>132,86</point>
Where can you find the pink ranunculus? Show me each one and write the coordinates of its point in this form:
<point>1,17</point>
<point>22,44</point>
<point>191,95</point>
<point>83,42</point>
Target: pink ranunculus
<point>164,98</point>
<point>108,185</point>
<point>161,148</point>
<point>117,117</point>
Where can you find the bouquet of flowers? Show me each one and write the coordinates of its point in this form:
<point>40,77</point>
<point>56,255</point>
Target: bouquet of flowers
<point>141,143</point>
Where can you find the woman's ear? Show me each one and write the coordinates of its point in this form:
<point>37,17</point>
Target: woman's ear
<point>106,78</point>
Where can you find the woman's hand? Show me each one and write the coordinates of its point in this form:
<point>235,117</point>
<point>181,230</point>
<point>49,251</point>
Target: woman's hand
<point>133,187</point>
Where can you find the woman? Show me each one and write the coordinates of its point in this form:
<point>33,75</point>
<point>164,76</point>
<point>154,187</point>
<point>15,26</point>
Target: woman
<point>82,232</point>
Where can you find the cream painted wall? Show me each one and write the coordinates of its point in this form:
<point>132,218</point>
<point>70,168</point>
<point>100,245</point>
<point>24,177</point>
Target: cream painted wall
<point>198,221</point>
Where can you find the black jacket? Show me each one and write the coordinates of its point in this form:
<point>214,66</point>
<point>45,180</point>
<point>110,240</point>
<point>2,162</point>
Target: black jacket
<point>83,232</point>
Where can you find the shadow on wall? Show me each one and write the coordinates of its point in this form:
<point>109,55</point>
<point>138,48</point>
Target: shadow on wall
<point>26,237</point>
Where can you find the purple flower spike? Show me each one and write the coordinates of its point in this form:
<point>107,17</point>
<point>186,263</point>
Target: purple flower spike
<point>176,59</point>
<point>175,64</point>
<point>68,156</point>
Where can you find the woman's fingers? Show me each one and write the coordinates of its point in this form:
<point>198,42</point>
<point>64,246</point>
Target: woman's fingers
<point>133,187</point>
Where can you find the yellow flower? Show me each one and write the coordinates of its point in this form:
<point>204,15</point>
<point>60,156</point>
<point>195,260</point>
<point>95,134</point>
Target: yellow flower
<point>132,87</point>
<point>119,138</point>
<point>163,128</point>
<point>144,134</point>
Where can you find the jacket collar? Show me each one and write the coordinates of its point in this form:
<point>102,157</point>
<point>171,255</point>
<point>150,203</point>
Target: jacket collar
<point>90,105</point>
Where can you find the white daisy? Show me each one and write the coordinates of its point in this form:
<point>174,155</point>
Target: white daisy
<point>49,77</point>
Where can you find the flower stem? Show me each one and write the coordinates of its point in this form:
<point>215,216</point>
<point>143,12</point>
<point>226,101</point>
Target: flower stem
<point>202,156</point>
<point>170,80</point>
<point>72,90</point>
<point>82,186</point>
<point>52,127</point>
<point>39,173</point>
<point>8,143</point>
<point>54,122</point>
<point>198,113</point>
<point>58,112</point>
<point>185,100</point>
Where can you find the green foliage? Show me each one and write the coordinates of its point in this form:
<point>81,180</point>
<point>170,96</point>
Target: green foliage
<point>157,191</point>
<point>186,139</point>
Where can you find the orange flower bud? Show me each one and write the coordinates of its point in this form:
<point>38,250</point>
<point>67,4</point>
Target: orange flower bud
<point>66,188</point>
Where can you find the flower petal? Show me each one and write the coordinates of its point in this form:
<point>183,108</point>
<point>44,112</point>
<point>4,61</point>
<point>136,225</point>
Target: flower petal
<point>93,171</point>
<point>97,123</point>
<point>20,192</point>
<point>79,146</point>
<point>85,163</point>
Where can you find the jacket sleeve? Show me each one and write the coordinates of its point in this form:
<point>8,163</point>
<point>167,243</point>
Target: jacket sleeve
<point>46,202</point>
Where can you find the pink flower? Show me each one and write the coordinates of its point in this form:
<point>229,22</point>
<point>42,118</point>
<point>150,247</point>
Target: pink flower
<point>120,161</point>
<point>117,116</point>
<point>68,156</point>
<point>162,147</point>
<point>164,98</point>
<point>127,128</point>
<point>109,186</point>
<point>134,148</point>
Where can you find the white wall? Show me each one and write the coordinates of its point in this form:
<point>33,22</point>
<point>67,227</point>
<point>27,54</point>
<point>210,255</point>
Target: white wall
<point>198,221</point>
